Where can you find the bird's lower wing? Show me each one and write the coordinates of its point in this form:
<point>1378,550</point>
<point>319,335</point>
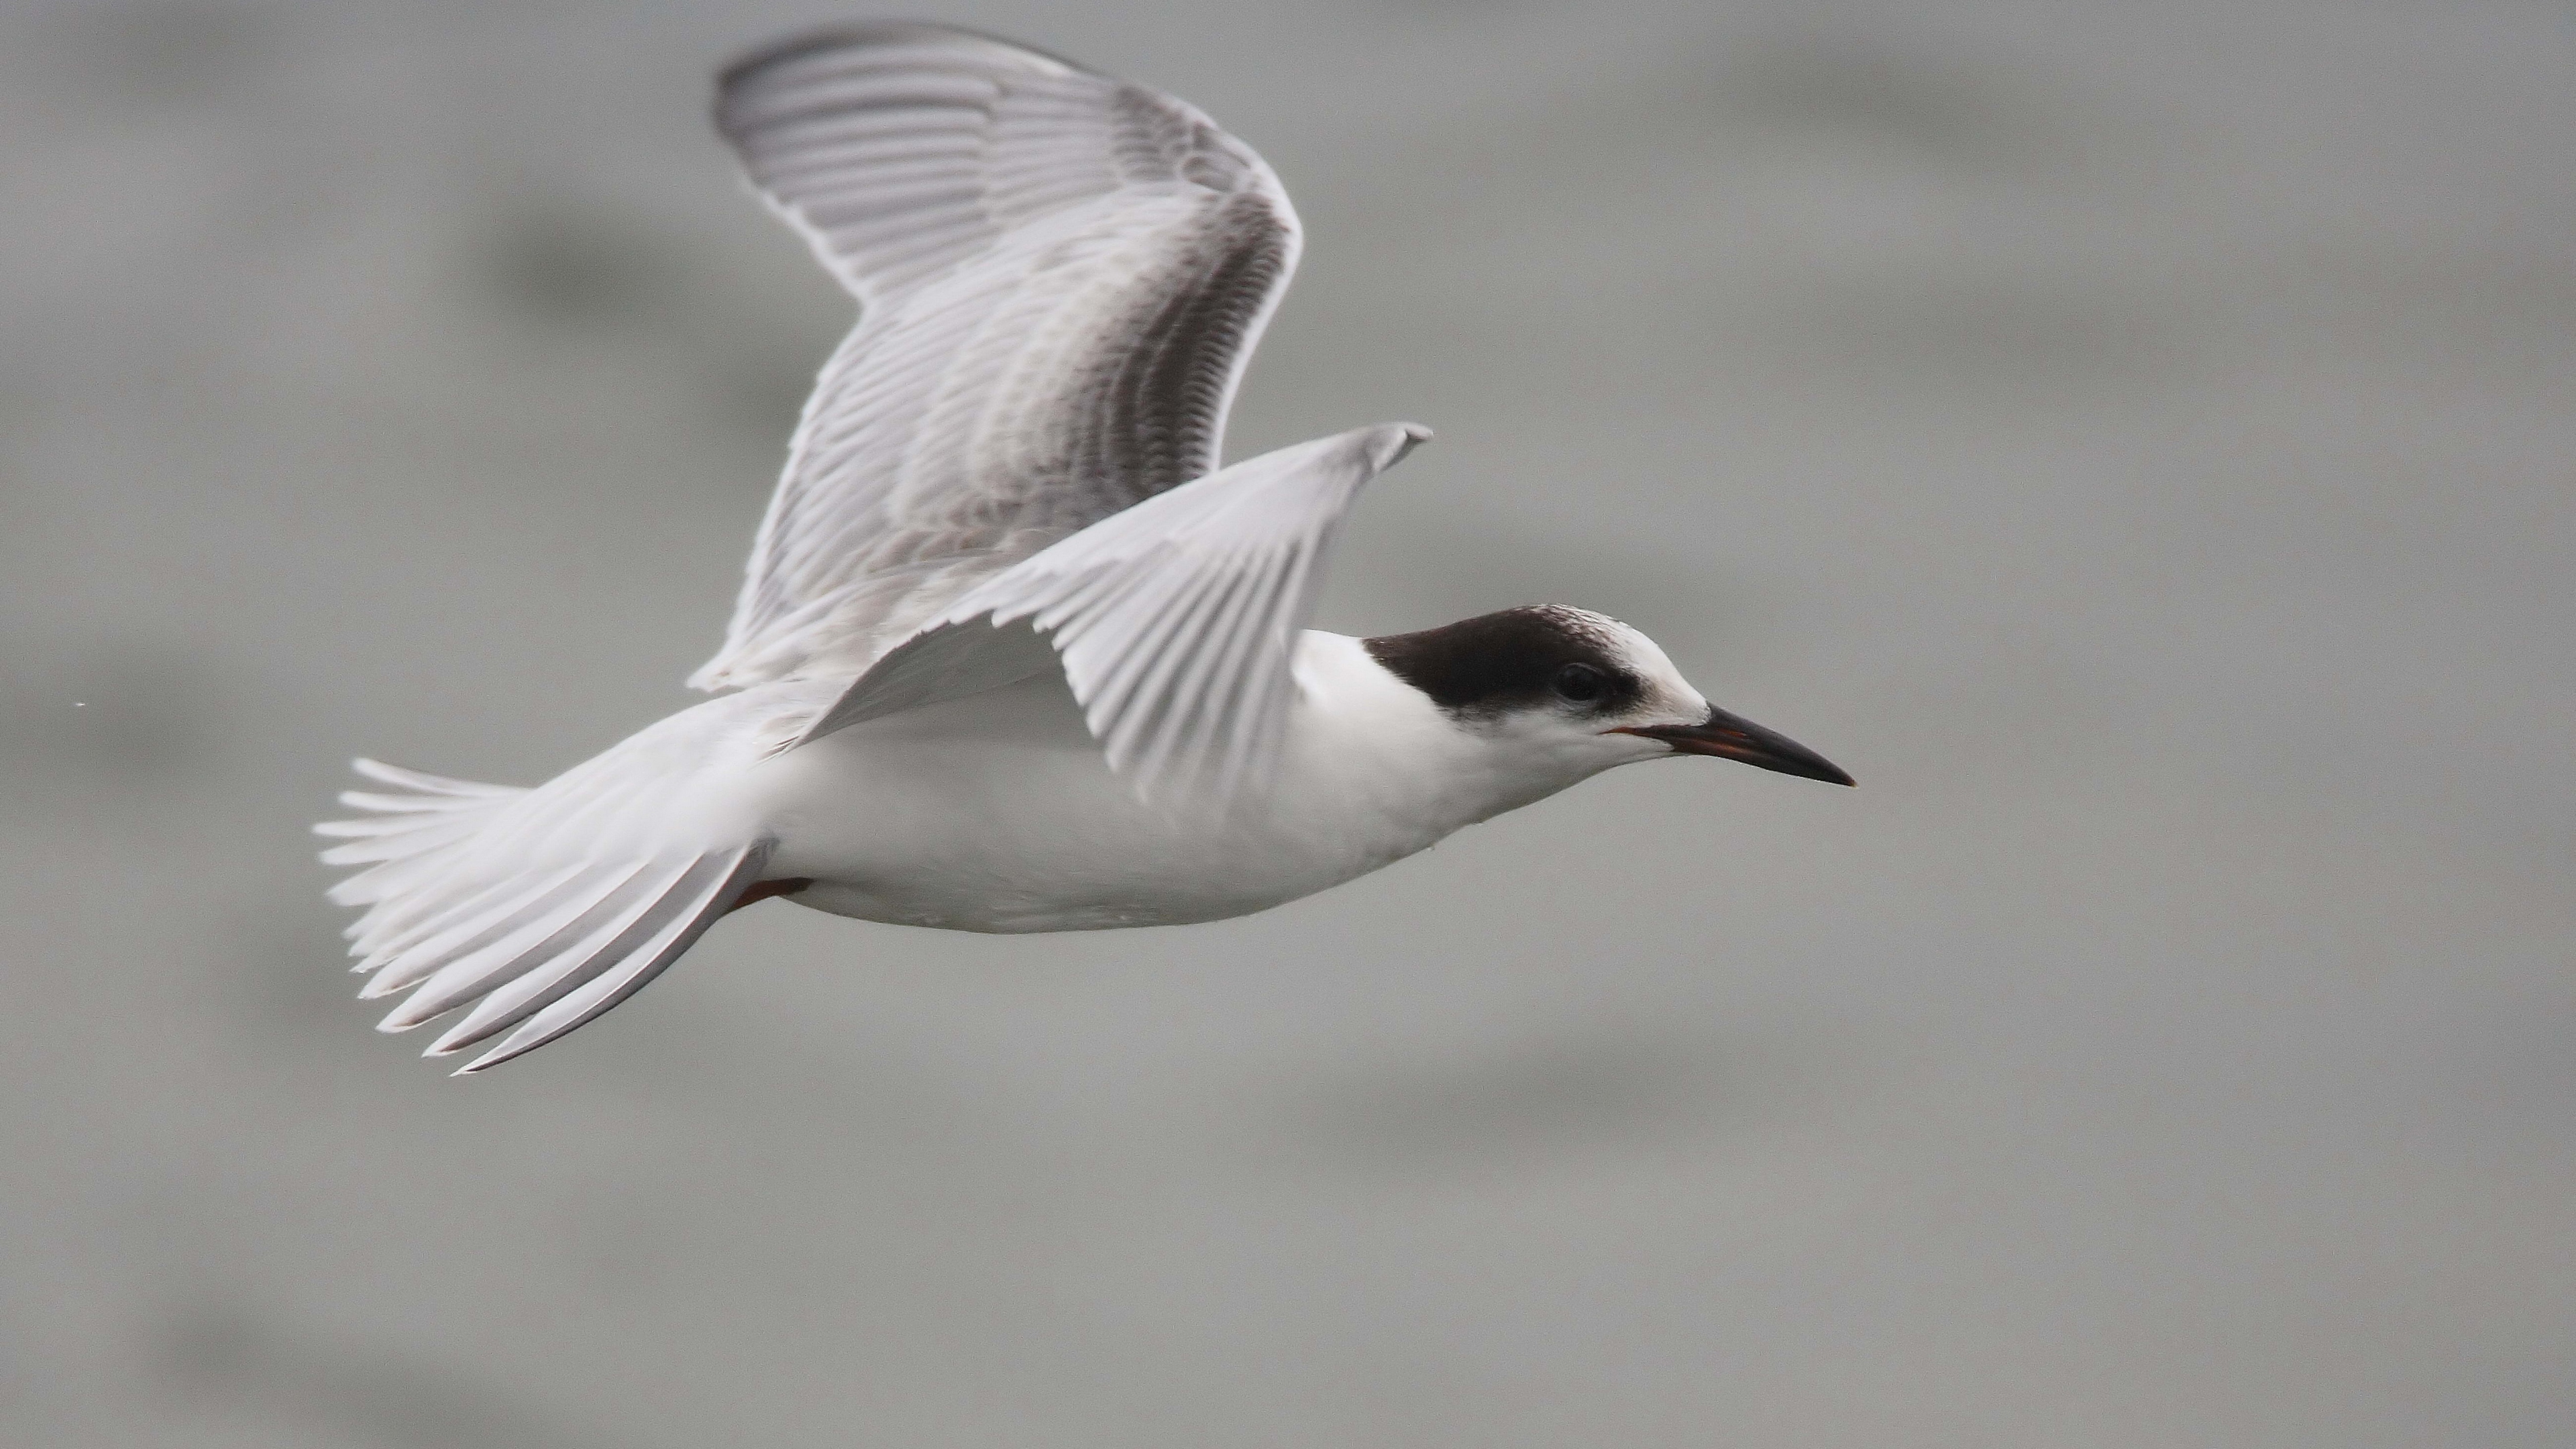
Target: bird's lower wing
<point>1174,621</point>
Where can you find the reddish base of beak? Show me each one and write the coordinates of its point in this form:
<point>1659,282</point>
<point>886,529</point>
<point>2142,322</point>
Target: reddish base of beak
<point>1731,738</point>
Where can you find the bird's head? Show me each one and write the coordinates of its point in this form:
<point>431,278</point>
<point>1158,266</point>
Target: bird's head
<point>1560,694</point>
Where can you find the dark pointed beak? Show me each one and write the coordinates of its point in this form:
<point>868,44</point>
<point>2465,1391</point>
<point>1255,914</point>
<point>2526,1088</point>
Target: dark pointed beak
<point>1730,738</point>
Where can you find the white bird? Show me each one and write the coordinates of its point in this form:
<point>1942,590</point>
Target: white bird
<point>1013,652</point>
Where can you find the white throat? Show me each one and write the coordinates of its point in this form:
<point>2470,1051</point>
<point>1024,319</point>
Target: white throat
<point>1393,765</point>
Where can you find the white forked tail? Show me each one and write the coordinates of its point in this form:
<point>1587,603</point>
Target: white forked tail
<point>542,908</point>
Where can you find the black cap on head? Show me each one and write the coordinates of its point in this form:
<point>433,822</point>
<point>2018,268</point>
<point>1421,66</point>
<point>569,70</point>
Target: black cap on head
<point>1550,656</point>
<point>1494,664</point>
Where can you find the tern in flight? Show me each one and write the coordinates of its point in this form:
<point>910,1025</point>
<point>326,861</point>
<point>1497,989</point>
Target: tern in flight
<point>1013,652</point>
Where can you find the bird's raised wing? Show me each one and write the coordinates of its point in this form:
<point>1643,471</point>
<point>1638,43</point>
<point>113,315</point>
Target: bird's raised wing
<point>1061,276</point>
<point>1176,621</point>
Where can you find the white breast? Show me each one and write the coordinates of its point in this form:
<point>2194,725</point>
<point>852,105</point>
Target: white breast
<point>1000,813</point>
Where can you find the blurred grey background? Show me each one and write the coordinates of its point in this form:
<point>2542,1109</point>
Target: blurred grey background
<point>2135,439</point>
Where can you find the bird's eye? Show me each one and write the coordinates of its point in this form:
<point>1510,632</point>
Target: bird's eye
<point>1581,683</point>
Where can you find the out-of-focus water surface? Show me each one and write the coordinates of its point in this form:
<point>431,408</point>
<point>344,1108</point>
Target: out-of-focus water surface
<point>2134,439</point>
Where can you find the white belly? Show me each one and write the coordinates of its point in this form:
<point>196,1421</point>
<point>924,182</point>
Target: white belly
<point>999,813</point>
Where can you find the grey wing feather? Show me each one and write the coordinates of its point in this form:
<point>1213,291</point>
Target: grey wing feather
<point>1061,277</point>
<point>1175,622</point>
